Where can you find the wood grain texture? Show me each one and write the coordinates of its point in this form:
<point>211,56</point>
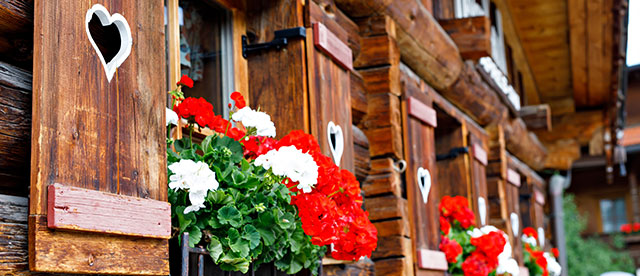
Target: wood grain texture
<point>361,155</point>
<point>360,268</point>
<point>16,16</point>
<point>60,252</point>
<point>15,129</point>
<point>472,35</point>
<point>395,266</point>
<point>13,235</point>
<point>421,111</point>
<point>536,116</point>
<point>377,51</point>
<point>479,154</point>
<point>286,101</point>
<point>359,104</point>
<point>95,134</point>
<point>329,100</point>
<point>423,45</point>
<point>331,45</point>
<point>524,144</point>
<point>79,209</point>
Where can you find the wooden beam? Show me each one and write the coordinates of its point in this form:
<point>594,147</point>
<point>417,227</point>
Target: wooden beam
<point>472,35</point>
<point>16,16</point>
<point>536,116</point>
<point>524,144</point>
<point>562,154</point>
<point>424,45</point>
<point>578,44</point>
<point>472,95</point>
<point>13,235</point>
<point>631,136</point>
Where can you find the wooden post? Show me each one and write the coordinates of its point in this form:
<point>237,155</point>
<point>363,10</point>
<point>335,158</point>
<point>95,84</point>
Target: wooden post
<point>635,199</point>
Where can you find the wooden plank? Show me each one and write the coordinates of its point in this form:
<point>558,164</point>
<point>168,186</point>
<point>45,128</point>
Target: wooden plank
<point>60,251</point>
<point>376,51</point>
<point>15,129</point>
<point>79,209</point>
<point>359,103</point>
<point>97,134</point>
<point>536,116</point>
<point>513,177</point>
<point>524,144</point>
<point>331,45</point>
<point>577,41</point>
<point>173,42</point>
<point>631,136</point>
<point>395,266</point>
<point>539,196</point>
<point>479,154</point>
<point>329,102</point>
<point>432,259</point>
<point>472,35</point>
<point>383,79</point>
<point>396,227</point>
<point>386,207</point>
<point>361,155</point>
<point>13,235</point>
<point>282,100</point>
<point>392,246</point>
<point>421,111</point>
<point>327,13</point>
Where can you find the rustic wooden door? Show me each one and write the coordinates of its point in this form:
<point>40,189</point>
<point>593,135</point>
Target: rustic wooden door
<point>421,177</point>
<point>98,159</point>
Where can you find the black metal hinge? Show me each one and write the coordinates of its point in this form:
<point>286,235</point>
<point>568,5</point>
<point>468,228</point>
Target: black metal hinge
<point>453,153</point>
<point>280,40</point>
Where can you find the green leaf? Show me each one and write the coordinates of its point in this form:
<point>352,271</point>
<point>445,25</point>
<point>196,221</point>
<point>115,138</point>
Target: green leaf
<point>215,249</point>
<point>267,235</point>
<point>233,262</point>
<point>286,220</point>
<point>207,144</point>
<point>237,244</point>
<point>251,234</point>
<point>233,145</point>
<point>230,215</point>
<point>184,220</point>
<point>297,239</point>
<point>194,236</point>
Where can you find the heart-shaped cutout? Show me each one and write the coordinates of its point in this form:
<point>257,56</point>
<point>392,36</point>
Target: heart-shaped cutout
<point>335,137</point>
<point>424,183</point>
<point>515,224</point>
<point>482,210</point>
<point>541,236</point>
<point>110,37</point>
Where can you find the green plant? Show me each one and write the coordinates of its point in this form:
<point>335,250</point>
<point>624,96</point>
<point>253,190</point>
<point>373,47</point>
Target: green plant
<point>591,256</point>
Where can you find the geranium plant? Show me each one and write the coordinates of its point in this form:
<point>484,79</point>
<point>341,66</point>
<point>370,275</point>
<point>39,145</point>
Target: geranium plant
<point>538,262</point>
<point>472,251</point>
<point>251,199</point>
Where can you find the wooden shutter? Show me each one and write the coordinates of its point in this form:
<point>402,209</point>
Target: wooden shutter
<point>329,61</point>
<point>98,175</point>
<point>514,181</point>
<point>478,159</point>
<point>419,122</point>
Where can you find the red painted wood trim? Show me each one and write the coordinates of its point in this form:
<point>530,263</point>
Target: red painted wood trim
<point>422,112</point>
<point>480,154</point>
<point>513,177</point>
<point>431,259</point>
<point>80,209</point>
<point>539,197</point>
<point>331,45</point>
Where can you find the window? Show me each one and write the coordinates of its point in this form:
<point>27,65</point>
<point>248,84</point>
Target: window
<point>613,213</point>
<point>205,51</point>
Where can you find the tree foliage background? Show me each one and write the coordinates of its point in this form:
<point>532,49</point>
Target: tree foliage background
<point>590,256</point>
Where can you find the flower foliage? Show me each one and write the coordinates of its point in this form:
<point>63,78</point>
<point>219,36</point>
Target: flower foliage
<point>538,262</point>
<point>251,199</point>
<point>472,251</point>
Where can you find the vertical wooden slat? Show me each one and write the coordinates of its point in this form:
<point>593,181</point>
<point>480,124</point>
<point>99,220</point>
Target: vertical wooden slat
<point>173,44</point>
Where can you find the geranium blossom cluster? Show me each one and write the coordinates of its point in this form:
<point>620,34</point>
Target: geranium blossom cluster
<point>472,251</point>
<point>331,206</point>
<point>194,177</point>
<point>328,199</point>
<point>630,228</point>
<point>540,263</point>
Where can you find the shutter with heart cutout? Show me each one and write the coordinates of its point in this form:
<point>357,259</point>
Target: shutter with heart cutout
<point>512,196</point>
<point>98,176</point>
<point>329,61</point>
<point>422,189</point>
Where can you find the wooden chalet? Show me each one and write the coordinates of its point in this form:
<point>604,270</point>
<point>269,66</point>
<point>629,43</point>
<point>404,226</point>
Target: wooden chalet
<point>479,98</point>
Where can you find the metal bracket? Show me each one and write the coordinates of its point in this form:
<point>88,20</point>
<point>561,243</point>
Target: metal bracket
<point>280,40</point>
<point>453,153</point>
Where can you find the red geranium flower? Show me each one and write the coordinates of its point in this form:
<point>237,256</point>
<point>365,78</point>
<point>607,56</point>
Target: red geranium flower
<point>626,228</point>
<point>238,99</point>
<point>456,209</point>
<point>451,249</point>
<point>491,245</point>
<point>476,265</point>
<point>530,232</point>
<point>555,252</point>
<point>444,226</point>
<point>186,81</point>
<point>636,226</point>
<point>196,110</point>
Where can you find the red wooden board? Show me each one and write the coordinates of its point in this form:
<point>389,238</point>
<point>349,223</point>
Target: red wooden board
<point>75,208</point>
<point>480,154</point>
<point>331,45</point>
<point>513,177</point>
<point>539,197</point>
<point>431,259</point>
<point>422,112</point>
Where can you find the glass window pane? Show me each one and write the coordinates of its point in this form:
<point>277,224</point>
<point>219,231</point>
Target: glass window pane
<point>613,213</point>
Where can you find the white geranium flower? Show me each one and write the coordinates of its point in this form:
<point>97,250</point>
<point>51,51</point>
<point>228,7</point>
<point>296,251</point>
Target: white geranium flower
<point>477,232</point>
<point>171,117</point>
<point>260,120</point>
<point>553,266</point>
<point>530,240</point>
<point>197,178</point>
<point>509,266</point>
<point>292,163</point>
